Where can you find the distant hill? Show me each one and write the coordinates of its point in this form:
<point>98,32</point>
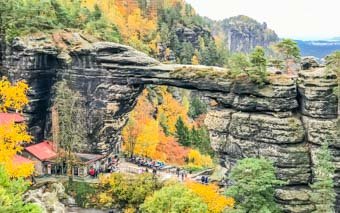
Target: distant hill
<point>320,48</point>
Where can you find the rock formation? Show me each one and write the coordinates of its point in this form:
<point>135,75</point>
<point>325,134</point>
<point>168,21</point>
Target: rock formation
<point>284,121</point>
<point>242,33</point>
<point>48,198</point>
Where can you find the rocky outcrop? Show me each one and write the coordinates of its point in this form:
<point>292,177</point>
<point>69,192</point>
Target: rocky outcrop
<point>49,197</point>
<point>285,121</point>
<point>242,33</point>
<point>191,35</point>
<point>289,133</point>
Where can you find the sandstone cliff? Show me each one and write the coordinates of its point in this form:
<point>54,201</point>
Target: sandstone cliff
<point>285,121</point>
<point>242,33</point>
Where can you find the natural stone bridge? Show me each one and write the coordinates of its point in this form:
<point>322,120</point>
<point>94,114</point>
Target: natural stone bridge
<point>285,121</point>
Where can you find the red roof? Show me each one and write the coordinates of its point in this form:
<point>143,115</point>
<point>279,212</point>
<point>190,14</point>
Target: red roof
<point>20,160</point>
<point>43,150</point>
<point>7,118</point>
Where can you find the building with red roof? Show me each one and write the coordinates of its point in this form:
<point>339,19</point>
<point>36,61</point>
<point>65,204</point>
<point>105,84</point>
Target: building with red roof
<point>43,155</point>
<point>43,151</point>
<point>8,118</point>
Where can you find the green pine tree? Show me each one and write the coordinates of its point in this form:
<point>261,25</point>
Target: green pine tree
<point>258,73</point>
<point>254,185</point>
<point>197,107</point>
<point>323,192</point>
<point>182,132</point>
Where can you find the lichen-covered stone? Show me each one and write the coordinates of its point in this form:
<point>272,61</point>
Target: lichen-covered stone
<point>317,97</point>
<point>266,128</point>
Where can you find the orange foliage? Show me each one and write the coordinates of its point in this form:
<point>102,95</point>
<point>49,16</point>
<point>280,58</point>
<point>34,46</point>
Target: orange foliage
<point>209,194</point>
<point>141,133</point>
<point>170,151</point>
<point>144,136</point>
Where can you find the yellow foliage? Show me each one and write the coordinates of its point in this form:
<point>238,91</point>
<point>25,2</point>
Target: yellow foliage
<point>136,29</point>
<point>105,199</point>
<point>209,194</point>
<point>140,135</point>
<point>130,210</point>
<point>13,136</point>
<point>195,60</point>
<point>13,96</point>
<point>197,159</point>
<point>148,139</point>
<point>22,170</point>
<point>172,110</point>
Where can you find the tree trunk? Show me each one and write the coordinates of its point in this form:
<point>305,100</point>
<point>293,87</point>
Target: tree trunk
<point>69,167</point>
<point>2,43</point>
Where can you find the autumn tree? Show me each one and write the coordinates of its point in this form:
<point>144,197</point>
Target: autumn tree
<point>172,110</point>
<point>14,96</point>
<point>254,185</point>
<point>11,193</point>
<point>195,60</point>
<point>71,116</point>
<point>130,134</point>
<point>323,194</point>
<point>141,133</point>
<point>13,135</point>
<point>198,160</point>
<point>209,194</point>
<point>170,151</point>
<point>148,139</point>
<point>290,51</point>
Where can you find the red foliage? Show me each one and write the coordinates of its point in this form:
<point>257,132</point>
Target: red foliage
<point>172,152</point>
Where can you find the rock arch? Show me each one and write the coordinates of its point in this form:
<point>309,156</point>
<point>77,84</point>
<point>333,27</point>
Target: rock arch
<point>284,121</point>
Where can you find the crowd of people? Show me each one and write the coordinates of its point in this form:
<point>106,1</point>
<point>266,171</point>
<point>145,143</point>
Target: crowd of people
<point>145,165</point>
<point>112,166</point>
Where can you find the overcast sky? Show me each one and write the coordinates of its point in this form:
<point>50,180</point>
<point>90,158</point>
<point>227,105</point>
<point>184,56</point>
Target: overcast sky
<point>298,19</point>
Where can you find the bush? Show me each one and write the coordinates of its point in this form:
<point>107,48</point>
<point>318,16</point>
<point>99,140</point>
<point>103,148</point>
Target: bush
<point>11,192</point>
<point>126,191</point>
<point>82,192</point>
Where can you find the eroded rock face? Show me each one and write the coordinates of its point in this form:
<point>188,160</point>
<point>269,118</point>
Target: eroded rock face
<point>284,121</point>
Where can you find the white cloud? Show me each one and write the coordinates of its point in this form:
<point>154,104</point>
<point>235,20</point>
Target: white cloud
<point>299,19</point>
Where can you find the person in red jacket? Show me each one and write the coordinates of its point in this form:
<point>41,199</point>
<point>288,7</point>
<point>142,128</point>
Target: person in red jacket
<point>92,172</point>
